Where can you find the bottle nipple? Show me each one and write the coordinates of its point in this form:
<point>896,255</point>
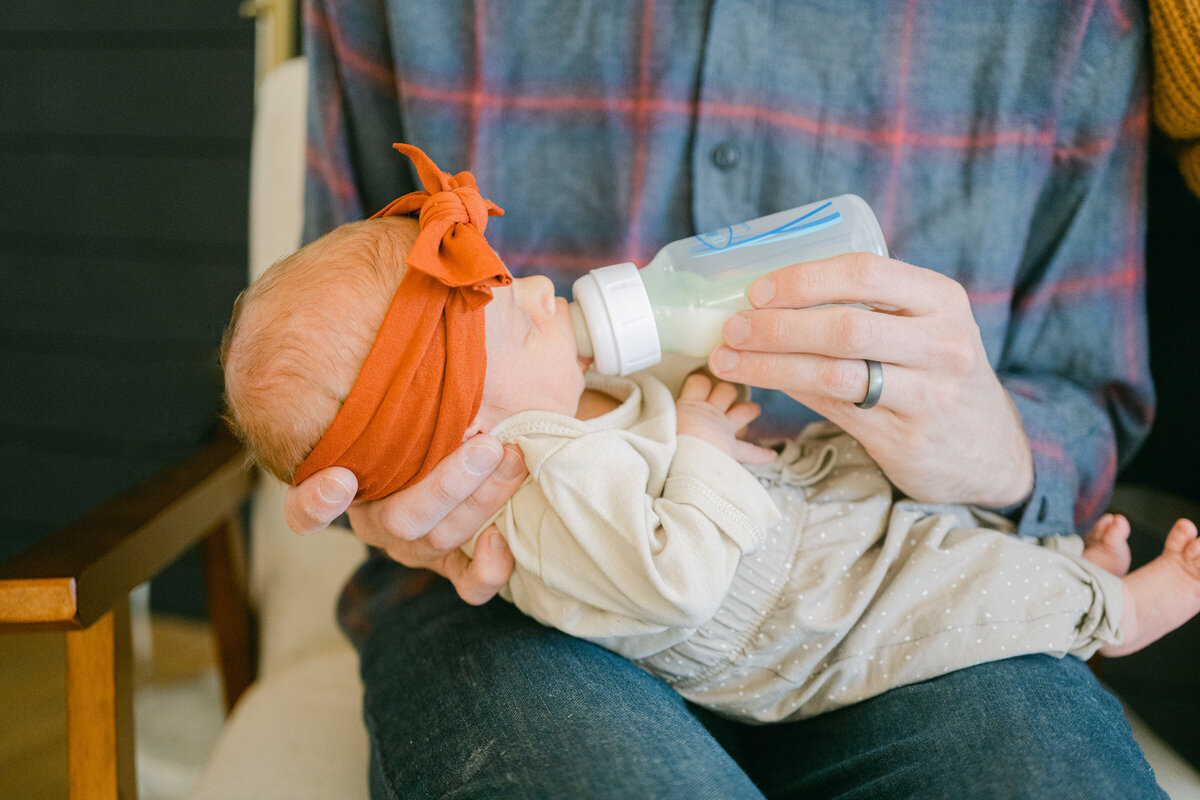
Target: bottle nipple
<point>613,312</point>
<point>583,338</point>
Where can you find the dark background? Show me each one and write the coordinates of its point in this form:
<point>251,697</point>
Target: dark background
<point>124,167</point>
<point>1170,457</point>
<point>1162,682</point>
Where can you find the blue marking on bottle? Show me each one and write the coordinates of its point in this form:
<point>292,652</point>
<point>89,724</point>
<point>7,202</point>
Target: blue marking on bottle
<point>789,230</point>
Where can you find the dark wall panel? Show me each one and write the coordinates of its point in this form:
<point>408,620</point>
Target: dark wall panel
<point>147,90</point>
<point>84,298</point>
<point>165,18</point>
<point>160,198</point>
<point>81,481</point>
<point>108,400</point>
<point>124,165</point>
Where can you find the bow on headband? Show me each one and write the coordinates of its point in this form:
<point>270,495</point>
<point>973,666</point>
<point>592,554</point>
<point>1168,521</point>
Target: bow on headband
<point>422,382</point>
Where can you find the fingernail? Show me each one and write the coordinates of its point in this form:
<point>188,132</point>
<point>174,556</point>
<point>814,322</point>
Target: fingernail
<point>762,291</point>
<point>737,329</point>
<point>481,459</point>
<point>332,490</point>
<point>497,543</point>
<point>724,359</point>
<point>511,466</point>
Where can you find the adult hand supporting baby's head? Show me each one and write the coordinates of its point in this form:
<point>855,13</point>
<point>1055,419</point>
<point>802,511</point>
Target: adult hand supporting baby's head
<point>426,524</point>
<point>314,504</point>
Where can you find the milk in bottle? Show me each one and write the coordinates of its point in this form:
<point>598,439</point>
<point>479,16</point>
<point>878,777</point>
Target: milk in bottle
<point>625,317</point>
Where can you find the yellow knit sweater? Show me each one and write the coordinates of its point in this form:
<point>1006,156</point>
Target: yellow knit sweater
<point>1175,91</point>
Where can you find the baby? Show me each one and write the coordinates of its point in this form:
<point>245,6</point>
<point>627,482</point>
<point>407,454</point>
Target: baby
<point>780,587</point>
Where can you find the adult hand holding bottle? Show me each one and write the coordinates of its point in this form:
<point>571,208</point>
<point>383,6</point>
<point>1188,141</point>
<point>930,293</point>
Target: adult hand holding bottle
<point>944,428</point>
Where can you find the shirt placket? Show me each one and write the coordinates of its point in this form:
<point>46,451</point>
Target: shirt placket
<point>727,150</point>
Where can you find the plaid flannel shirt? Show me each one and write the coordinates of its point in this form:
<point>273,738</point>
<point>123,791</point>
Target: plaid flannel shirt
<point>1002,144</point>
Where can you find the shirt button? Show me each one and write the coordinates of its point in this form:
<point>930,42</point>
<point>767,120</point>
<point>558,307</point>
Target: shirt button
<point>726,155</point>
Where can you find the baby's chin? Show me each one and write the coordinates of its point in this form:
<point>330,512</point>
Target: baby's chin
<point>489,416</point>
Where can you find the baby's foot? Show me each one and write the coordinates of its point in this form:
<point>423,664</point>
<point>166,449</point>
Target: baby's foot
<point>1107,544</point>
<point>1162,595</point>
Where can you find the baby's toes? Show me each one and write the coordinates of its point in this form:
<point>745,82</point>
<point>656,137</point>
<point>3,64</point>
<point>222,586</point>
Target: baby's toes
<point>1190,559</point>
<point>1181,536</point>
<point>1118,528</point>
<point>1093,533</point>
<point>1109,528</point>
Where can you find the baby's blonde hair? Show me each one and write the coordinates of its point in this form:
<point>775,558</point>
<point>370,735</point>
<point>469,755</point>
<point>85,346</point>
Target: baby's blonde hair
<point>300,334</point>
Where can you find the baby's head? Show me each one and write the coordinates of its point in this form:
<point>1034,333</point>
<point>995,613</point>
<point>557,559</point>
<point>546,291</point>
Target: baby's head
<point>301,333</point>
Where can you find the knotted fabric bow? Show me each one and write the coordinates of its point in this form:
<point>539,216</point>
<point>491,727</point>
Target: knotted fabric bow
<point>422,382</point>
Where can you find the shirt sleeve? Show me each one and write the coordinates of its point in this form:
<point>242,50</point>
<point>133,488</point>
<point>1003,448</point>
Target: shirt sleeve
<point>1076,358</point>
<point>599,555</point>
<point>353,116</point>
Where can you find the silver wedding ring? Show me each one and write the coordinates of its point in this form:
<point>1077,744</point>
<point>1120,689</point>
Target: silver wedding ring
<point>874,384</point>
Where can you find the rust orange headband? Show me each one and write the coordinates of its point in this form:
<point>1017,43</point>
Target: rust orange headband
<point>422,382</point>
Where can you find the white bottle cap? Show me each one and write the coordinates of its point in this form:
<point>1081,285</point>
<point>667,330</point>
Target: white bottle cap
<point>620,321</point>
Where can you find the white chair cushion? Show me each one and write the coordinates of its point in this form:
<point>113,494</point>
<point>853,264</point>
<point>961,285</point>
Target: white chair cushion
<point>277,165</point>
<point>295,581</point>
<point>297,735</point>
<point>1176,776</point>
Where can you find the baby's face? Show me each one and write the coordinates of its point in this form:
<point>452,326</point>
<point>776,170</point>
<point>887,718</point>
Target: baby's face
<point>532,361</point>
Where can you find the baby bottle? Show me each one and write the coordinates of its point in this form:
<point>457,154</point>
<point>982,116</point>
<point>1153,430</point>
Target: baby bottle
<point>624,318</point>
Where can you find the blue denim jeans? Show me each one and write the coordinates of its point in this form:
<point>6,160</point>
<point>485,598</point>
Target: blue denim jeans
<point>483,702</point>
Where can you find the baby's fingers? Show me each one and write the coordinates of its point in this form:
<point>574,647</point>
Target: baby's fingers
<point>750,453</point>
<point>742,414</point>
<point>696,387</point>
<point>723,395</point>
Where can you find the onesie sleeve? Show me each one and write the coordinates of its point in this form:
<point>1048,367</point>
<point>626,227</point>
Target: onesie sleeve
<point>601,553</point>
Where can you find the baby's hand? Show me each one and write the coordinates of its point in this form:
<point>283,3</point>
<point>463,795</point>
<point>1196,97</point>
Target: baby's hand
<point>709,411</point>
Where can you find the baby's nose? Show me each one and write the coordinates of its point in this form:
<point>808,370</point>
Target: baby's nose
<point>542,289</point>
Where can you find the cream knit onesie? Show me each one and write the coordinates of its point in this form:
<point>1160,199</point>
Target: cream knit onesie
<point>777,591</point>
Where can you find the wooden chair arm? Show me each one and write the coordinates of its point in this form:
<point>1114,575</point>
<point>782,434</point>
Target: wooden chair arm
<point>77,574</point>
<point>78,580</point>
